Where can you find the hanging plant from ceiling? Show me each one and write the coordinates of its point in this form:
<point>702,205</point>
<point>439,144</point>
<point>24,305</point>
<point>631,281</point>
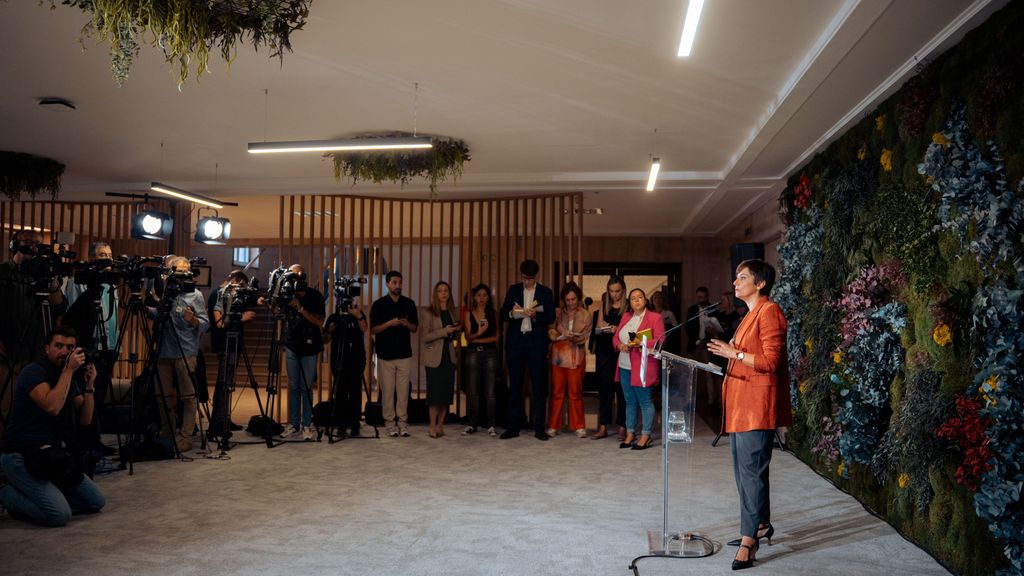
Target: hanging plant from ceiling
<point>21,172</point>
<point>441,162</point>
<point>187,30</point>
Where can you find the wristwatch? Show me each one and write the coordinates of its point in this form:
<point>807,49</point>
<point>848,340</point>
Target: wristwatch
<point>740,356</point>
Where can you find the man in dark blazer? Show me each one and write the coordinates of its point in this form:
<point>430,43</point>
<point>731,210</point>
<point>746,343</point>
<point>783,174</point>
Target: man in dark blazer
<point>528,309</point>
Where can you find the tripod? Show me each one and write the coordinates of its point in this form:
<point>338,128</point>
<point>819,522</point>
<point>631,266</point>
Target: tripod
<point>225,385</point>
<point>42,296</point>
<point>134,323</point>
<point>281,332</point>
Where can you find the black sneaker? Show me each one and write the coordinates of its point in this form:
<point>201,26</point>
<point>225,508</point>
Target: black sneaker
<point>509,434</point>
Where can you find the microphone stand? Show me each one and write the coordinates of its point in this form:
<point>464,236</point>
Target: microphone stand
<point>661,341</point>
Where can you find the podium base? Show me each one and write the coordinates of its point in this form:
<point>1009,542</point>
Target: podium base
<point>679,544</point>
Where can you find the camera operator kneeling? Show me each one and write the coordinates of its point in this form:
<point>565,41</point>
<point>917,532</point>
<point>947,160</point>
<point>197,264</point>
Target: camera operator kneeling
<point>45,483</point>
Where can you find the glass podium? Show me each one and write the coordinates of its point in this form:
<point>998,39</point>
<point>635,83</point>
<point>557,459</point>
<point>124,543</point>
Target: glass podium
<point>678,405</point>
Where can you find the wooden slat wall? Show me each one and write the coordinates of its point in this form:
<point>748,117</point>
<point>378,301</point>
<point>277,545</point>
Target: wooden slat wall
<point>96,221</point>
<point>464,242</point>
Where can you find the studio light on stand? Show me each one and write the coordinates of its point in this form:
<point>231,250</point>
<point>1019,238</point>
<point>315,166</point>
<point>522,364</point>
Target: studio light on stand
<point>151,225</point>
<point>213,230</point>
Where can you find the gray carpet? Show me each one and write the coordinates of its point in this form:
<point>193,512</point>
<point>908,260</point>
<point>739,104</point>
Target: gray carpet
<point>459,505</point>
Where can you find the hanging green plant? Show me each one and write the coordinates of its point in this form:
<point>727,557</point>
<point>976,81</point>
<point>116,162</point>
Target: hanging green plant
<point>21,172</point>
<point>441,162</point>
<point>186,30</point>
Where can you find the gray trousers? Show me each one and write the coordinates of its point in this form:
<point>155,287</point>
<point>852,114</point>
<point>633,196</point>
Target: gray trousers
<point>751,455</point>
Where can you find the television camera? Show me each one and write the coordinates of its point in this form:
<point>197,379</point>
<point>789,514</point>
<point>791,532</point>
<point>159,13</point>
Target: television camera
<point>283,286</point>
<point>346,290</point>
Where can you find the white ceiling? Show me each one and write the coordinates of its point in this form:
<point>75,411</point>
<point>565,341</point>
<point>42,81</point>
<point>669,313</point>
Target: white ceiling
<point>550,96</point>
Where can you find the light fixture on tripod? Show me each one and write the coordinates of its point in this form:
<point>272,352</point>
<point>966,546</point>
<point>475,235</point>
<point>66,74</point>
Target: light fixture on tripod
<point>213,230</point>
<point>151,225</point>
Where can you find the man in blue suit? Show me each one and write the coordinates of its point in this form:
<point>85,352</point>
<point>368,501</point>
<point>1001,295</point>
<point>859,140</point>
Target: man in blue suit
<point>528,309</point>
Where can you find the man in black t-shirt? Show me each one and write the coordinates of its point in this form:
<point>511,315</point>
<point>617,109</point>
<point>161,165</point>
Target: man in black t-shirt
<point>303,343</point>
<point>393,320</point>
<point>344,331</point>
<point>49,398</point>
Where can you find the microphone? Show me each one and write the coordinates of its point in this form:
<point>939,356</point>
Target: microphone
<point>661,341</point>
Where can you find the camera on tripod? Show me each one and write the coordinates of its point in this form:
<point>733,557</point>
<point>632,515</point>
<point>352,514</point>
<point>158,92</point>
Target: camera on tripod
<point>346,290</point>
<point>47,264</point>
<point>134,272</point>
<point>95,274</point>
<point>284,284</point>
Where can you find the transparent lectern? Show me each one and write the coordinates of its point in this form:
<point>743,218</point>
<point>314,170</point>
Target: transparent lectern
<point>678,403</point>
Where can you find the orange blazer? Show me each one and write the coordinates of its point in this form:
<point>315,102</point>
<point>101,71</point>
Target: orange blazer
<point>758,398</point>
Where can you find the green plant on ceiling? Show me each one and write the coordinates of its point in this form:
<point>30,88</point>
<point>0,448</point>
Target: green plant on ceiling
<point>443,161</point>
<point>21,172</point>
<point>187,30</point>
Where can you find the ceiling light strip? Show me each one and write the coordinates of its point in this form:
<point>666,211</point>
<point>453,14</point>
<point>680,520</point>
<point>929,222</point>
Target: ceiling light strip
<point>345,145</point>
<point>655,168</point>
<point>177,193</point>
<point>693,11</point>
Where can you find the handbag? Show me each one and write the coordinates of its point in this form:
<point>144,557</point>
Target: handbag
<point>373,412</point>
<point>54,464</point>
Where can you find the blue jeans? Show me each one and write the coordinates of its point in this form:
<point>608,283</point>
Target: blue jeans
<point>637,396</point>
<point>301,379</point>
<point>41,501</point>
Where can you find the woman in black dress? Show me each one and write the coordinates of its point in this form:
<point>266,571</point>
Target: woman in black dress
<point>438,329</point>
<point>606,320</point>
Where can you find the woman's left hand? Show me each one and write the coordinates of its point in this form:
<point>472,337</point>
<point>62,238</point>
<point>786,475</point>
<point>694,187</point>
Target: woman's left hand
<point>720,348</point>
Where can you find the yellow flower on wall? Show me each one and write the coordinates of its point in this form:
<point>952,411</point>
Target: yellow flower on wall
<point>992,383</point>
<point>880,123</point>
<point>886,160</point>
<point>802,387</point>
<point>809,345</point>
<point>903,480</point>
<point>841,468</point>
<point>837,357</point>
<point>940,139</point>
<point>942,335</point>
<point>862,153</point>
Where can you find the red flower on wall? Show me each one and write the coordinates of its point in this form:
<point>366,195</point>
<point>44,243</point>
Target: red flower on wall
<point>966,429</point>
<point>802,192</point>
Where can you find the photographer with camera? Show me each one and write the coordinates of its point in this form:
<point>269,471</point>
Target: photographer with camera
<point>228,306</point>
<point>344,332</point>
<point>181,318</point>
<point>45,483</point>
<point>23,329</point>
<point>303,343</point>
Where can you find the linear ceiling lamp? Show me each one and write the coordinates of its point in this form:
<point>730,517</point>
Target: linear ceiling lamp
<point>183,195</point>
<point>655,168</point>
<point>693,10</point>
<point>342,145</point>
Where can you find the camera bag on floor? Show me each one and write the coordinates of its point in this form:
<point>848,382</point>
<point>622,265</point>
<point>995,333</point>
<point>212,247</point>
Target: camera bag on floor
<point>263,426</point>
<point>322,415</point>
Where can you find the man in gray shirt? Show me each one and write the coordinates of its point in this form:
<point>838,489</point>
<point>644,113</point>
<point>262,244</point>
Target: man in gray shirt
<point>186,318</point>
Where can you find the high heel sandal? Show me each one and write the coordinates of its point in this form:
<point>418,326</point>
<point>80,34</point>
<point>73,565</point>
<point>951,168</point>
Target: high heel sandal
<point>769,531</point>
<point>738,564</point>
<point>627,442</point>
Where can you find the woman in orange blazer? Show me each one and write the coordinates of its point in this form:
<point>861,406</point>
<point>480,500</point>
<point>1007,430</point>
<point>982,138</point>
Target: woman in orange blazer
<point>756,398</point>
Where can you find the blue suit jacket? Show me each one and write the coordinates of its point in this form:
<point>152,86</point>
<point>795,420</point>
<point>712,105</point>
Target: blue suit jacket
<point>538,335</point>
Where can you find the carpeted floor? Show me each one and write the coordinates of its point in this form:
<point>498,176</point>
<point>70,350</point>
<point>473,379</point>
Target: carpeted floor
<point>459,505</point>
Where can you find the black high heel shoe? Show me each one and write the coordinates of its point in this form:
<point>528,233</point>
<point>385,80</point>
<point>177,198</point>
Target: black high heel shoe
<point>769,531</point>
<point>744,564</point>
<point>627,443</point>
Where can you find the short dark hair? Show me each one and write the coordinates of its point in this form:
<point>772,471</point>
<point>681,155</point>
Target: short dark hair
<point>64,330</point>
<point>238,275</point>
<point>704,289</point>
<point>571,287</point>
<point>529,268</point>
<point>762,272</point>
<point>392,274</point>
